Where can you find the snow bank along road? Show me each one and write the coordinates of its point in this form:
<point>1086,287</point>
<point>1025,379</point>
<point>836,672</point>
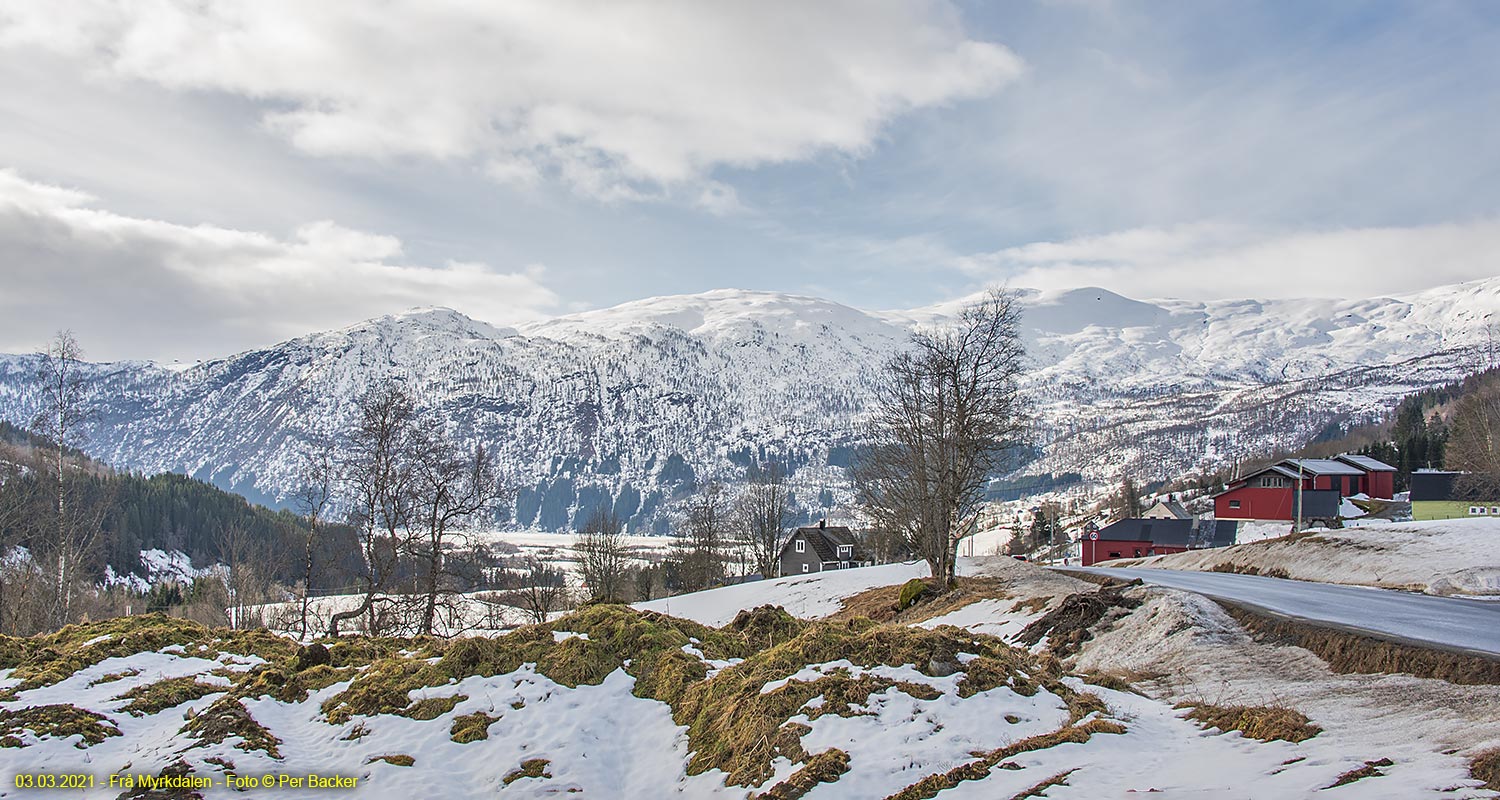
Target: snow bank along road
<point>1449,622</point>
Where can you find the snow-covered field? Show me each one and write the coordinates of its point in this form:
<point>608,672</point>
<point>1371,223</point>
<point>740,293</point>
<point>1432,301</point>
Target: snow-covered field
<point>575,715</point>
<point>1444,557</point>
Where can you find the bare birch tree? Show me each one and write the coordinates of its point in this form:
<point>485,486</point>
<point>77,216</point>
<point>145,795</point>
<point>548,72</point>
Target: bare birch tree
<point>451,488</point>
<point>379,476</point>
<point>947,409</point>
<point>313,497</point>
<point>765,514</point>
<point>74,530</point>
<point>603,557</point>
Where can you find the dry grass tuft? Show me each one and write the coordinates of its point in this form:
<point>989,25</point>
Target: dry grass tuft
<point>1266,723</point>
<point>1485,766</point>
<point>471,727</point>
<point>530,768</point>
<point>882,604</point>
<point>1371,769</point>
<point>398,759</point>
<point>825,767</point>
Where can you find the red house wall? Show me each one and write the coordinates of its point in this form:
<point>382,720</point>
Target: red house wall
<point>1257,502</point>
<point>1096,550</point>
<point>1381,485</point>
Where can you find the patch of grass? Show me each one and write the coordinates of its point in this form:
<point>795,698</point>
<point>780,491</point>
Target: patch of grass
<point>1033,605</point>
<point>1371,769</point>
<point>1110,681</point>
<point>267,680</point>
<point>471,727</point>
<point>825,767</point>
<point>734,728</point>
<point>1060,779</point>
<point>530,768</point>
<point>228,717</point>
<point>433,707</point>
<point>1485,766</point>
<point>55,721</point>
<point>154,697</point>
<point>980,767</point>
<point>115,676</point>
<point>397,759</point>
<point>883,604</point>
<point>1266,723</point>
<point>651,642</point>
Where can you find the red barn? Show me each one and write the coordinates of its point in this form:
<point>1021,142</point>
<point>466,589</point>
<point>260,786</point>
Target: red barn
<point>1271,494</point>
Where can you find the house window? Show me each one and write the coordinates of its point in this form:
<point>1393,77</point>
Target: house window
<point>804,567</point>
<point>1234,504</point>
<point>845,549</point>
<point>1495,509</point>
<point>802,547</point>
<point>1274,482</point>
<point>1474,510</point>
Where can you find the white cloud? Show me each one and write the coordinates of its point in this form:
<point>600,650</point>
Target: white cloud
<point>621,99</point>
<point>1209,261</point>
<point>139,288</point>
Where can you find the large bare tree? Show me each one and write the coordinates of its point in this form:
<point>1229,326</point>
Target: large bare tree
<point>947,409</point>
<point>452,489</point>
<point>378,473</point>
<point>765,514</point>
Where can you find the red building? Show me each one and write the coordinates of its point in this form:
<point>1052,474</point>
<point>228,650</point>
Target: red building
<point>1271,494</point>
<point>1138,538</point>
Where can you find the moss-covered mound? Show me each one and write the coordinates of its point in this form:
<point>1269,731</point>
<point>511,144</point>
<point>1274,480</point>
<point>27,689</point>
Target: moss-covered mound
<point>154,697</point>
<point>56,721</point>
<point>46,660</point>
<point>226,718</point>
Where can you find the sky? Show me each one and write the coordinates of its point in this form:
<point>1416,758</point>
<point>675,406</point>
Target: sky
<point>183,179</point>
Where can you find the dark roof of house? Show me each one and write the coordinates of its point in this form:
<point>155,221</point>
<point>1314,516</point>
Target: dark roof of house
<point>1434,485</point>
<point>826,541</point>
<point>1172,532</point>
<point>1366,463</point>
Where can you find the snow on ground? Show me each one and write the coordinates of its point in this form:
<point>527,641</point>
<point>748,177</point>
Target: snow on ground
<point>1178,646</point>
<point>808,596</point>
<point>1445,557</point>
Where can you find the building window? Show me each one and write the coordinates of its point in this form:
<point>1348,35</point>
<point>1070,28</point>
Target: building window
<point>1234,504</point>
<point>845,549</point>
<point>1475,510</point>
<point>802,547</point>
<point>1274,482</point>
<point>804,567</point>
<point>1495,509</point>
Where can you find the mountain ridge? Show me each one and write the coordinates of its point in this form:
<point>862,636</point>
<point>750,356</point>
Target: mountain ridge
<point>629,407</point>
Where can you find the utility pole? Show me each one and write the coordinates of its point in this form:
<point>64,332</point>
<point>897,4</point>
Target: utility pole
<point>1297,523</point>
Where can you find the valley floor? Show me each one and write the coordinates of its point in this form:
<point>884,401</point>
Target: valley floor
<point>1018,684</point>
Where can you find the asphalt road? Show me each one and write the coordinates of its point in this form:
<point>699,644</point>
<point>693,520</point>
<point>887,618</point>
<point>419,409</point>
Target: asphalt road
<point>1447,622</point>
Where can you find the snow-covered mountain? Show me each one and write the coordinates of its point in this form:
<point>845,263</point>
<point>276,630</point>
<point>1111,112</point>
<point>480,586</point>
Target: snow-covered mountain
<point>630,405</point>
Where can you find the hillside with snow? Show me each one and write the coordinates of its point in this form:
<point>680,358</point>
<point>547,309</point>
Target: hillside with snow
<point>627,407</point>
<point>1007,687</point>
